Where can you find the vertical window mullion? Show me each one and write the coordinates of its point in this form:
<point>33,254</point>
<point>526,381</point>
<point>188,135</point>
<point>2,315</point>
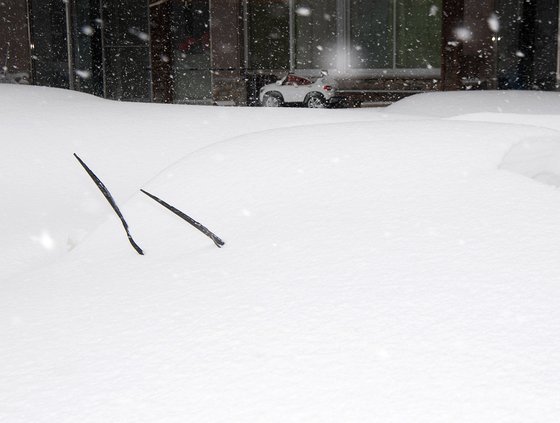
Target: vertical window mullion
<point>395,33</point>
<point>292,38</point>
<point>341,39</point>
<point>558,54</point>
<point>245,36</point>
<point>348,25</point>
<point>150,65</point>
<point>69,43</point>
<point>103,53</point>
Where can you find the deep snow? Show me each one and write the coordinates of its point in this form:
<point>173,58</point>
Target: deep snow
<point>447,104</point>
<point>46,212</point>
<point>377,267</point>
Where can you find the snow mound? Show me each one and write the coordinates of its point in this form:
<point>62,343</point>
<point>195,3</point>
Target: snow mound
<point>394,271</point>
<point>244,185</point>
<point>372,271</point>
<point>536,158</point>
<point>447,104</point>
<point>538,120</point>
<point>51,205</point>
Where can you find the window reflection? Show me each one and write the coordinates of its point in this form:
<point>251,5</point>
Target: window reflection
<point>418,33</point>
<point>190,28</point>
<point>316,34</point>
<point>88,54</point>
<point>269,34</point>
<point>371,34</point>
<point>126,50</point>
<point>50,52</point>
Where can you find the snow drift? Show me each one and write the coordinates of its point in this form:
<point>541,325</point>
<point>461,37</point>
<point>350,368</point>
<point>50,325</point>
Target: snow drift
<point>467,102</point>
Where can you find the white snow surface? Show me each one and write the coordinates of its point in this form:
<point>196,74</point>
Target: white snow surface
<point>447,104</point>
<point>378,266</point>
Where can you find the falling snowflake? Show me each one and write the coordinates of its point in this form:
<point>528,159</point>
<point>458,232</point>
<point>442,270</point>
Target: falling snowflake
<point>303,11</point>
<point>141,35</point>
<point>84,74</point>
<point>462,33</point>
<point>493,23</point>
<point>87,30</point>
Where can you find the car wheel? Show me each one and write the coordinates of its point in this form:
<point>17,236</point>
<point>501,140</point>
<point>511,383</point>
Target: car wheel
<point>315,101</point>
<point>272,100</point>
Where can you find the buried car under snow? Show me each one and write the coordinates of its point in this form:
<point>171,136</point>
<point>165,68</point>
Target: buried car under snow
<point>294,89</point>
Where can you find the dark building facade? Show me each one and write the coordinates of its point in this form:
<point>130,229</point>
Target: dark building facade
<point>223,51</point>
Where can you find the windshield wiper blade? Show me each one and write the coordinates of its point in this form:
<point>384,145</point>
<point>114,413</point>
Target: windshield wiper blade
<point>112,202</point>
<point>219,243</point>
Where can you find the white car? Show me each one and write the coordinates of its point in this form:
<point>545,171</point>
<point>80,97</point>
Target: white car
<point>294,89</point>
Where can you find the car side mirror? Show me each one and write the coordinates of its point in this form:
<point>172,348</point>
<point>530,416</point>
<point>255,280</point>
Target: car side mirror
<point>279,82</point>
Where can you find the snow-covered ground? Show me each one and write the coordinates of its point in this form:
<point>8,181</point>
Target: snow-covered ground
<point>391,265</point>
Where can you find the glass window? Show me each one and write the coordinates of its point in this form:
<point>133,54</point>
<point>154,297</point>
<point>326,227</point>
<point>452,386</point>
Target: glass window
<point>418,34</point>
<point>50,47</point>
<point>191,63</point>
<point>127,74</point>
<point>126,50</point>
<point>316,36</point>
<point>269,34</point>
<point>371,34</point>
<point>88,56</point>
<point>344,34</point>
<point>125,22</point>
